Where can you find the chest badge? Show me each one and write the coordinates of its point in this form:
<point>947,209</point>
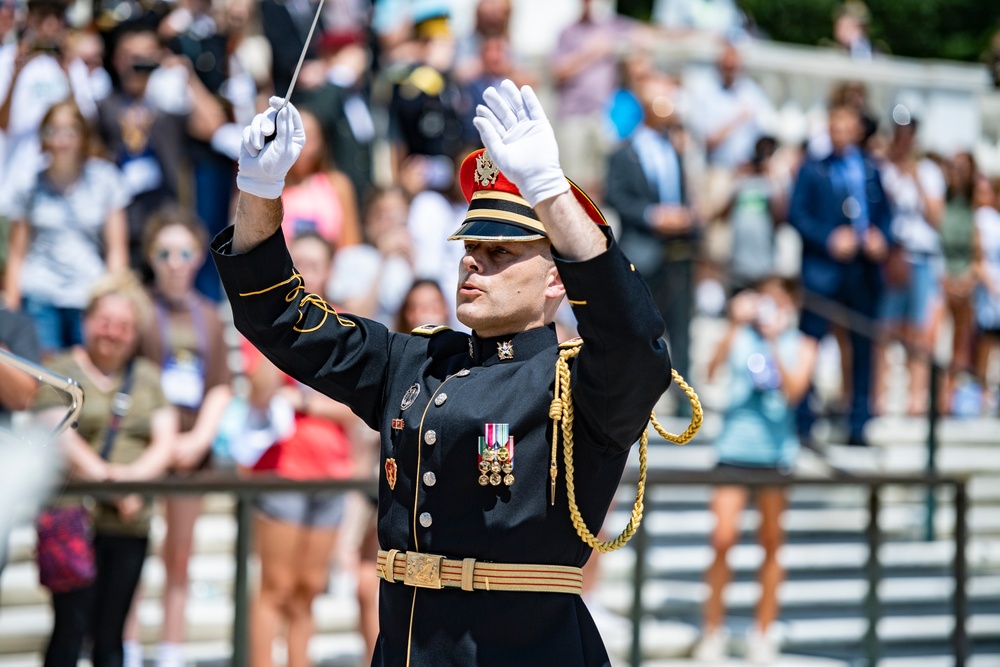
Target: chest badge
<point>390,473</point>
<point>505,350</point>
<point>410,396</point>
<point>496,456</point>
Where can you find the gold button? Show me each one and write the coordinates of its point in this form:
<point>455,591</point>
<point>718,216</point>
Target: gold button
<point>430,437</point>
<point>430,479</point>
<point>426,519</point>
<point>440,399</point>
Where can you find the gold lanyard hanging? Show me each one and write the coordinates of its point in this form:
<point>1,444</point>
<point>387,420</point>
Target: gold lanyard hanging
<point>561,413</point>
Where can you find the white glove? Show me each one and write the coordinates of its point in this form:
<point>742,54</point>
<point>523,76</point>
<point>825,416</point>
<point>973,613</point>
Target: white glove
<point>263,164</point>
<point>521,142</point>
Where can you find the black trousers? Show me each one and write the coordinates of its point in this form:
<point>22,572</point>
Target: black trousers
<point>98,611</point>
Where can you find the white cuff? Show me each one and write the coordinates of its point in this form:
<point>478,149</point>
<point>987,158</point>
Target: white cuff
<point>259,188</point>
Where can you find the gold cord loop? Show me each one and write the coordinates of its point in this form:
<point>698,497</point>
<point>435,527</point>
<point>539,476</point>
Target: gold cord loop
<point>309,298</point>
<point>561,412</point>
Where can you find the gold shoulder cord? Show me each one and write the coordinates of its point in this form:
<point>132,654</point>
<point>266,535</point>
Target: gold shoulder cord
<point>561,413</point>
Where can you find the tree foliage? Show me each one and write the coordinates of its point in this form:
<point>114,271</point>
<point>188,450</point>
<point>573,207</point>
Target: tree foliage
<point>953,29</point>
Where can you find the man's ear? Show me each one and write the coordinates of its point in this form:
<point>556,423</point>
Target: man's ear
<point>554,289</point>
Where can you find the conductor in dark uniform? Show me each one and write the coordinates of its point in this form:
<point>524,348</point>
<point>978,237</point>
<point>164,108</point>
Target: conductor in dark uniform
<point>480,559</point>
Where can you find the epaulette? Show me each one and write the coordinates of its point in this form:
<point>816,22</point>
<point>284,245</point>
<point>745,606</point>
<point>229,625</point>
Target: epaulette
<point>424,79</point>
<point>429,329</point>
<point>571,343</point>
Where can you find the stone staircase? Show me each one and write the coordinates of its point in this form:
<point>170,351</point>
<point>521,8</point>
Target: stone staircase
<point>25,618</point>
<point>823,614</point>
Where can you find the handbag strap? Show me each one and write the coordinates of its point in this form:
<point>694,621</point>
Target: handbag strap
<point>120,405</point>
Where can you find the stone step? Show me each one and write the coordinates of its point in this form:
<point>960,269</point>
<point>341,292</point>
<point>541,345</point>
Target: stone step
<point>888,432</point>
<point>667,561</point>
<point>211,576</point>
<point>944,660</point>
<point>801,637</point>
<point>26,628</point>
<point>953,458</point>
<point>891,630</point>
<point>893,521</point>
<point>811,595</point>
<point>341,649</point>
<point>213,533</point>
<point>900,431</point>
<point>983,488</point>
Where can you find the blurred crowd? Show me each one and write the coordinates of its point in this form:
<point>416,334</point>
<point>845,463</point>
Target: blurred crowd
<point>120,127</point>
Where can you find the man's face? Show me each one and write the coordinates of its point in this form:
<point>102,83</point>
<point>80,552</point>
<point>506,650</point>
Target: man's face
<point>845,128</point>
<point>506,288</point>
<point>658,103</point>
<point>135,57</point>
<point>729,66</point>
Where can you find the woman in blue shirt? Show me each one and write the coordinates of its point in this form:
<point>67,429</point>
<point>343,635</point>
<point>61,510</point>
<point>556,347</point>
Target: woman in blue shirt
<point>770,366</point>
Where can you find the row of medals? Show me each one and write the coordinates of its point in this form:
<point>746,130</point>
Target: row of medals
<point>494,462</point>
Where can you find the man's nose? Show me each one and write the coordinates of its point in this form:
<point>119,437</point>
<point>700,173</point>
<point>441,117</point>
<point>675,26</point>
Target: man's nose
<point>470,263</point>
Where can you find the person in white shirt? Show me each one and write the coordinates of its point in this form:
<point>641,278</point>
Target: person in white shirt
<point>729,108</point>
<point>911,303</point>
<point>36,73</point>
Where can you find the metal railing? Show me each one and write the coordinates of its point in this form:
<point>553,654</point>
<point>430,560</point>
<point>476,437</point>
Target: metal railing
<point>873,567</point>
<point>246,489</point>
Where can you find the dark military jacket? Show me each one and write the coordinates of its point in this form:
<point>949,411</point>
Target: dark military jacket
<point>445,387</point>
<point>424,112</point>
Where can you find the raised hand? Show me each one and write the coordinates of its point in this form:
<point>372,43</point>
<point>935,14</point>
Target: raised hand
<point>521,142</point>
<point>263,164</point>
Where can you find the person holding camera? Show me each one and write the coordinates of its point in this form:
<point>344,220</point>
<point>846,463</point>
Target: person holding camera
<point>144,123</point>
<point>35,74</point>
<point>770,365</point>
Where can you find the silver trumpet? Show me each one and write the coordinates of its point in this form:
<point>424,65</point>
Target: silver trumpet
<point>66,385</point>
<point>29,468</point>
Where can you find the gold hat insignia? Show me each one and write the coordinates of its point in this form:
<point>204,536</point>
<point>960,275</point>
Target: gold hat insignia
<point>486,172</point>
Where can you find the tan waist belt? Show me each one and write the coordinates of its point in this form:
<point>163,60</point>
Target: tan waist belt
<point>430,571</point>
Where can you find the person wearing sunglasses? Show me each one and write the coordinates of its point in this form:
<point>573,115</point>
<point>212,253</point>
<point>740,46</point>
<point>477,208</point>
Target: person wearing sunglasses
<point>186,339</point>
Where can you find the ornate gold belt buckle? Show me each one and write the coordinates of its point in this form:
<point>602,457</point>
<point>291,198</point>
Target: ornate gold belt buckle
<point>423,570</point>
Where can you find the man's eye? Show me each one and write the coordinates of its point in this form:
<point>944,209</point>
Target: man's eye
<point>500,250</point>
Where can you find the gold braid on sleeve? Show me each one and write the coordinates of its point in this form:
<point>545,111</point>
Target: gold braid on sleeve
<point>309,298</point>
<point>561,413</point>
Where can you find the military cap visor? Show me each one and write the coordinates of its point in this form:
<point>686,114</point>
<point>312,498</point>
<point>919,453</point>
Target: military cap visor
<point>497,211</point>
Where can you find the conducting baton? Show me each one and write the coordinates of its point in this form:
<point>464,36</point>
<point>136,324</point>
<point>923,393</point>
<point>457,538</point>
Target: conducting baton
<point>298,68</point>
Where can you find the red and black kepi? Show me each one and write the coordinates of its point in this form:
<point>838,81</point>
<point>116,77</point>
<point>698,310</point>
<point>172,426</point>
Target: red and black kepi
<point>497,211</point>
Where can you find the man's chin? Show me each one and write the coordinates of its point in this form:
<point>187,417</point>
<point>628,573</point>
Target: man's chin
<point>469,315</point>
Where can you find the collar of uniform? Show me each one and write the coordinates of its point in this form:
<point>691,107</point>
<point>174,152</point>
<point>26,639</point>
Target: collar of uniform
<point>485,351</point>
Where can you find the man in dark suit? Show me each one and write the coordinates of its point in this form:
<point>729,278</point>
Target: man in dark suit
<point>839,208</point>
<point>646,187</point>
